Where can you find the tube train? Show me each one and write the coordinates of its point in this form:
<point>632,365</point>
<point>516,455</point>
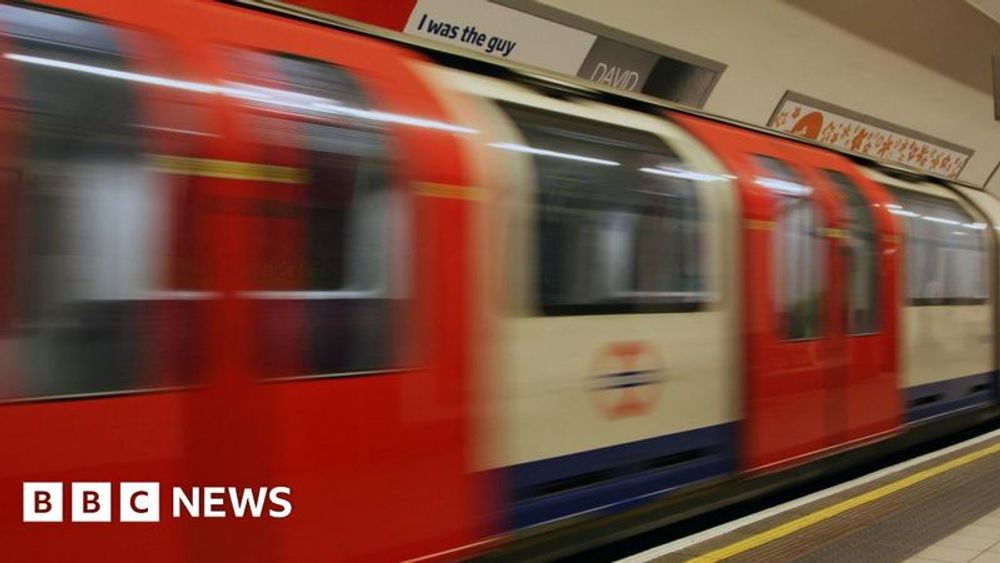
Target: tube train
<point>440,307</point>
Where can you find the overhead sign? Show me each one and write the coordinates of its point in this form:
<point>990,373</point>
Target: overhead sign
<point>507,33</point>
<point>535,34</point>
<point>617,65</point>
<point>498,31</point>
<point>842,128</point>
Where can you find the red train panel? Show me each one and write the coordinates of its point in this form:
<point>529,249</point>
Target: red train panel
<point>248,203</point>
<point>870,343</point>
<point>811,384</point>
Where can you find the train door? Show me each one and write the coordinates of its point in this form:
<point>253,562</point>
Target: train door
<point>358,290</point>
<point>99,343</point>
<point>865,316</point>
<point>819,269</point>
<point>795,401</point>
<point>794,405</point>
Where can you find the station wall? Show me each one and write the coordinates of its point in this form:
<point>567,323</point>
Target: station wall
<point>772,46</point>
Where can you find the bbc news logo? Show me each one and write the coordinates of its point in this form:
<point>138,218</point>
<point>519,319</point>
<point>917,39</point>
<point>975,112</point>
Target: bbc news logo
<point>140,502</point>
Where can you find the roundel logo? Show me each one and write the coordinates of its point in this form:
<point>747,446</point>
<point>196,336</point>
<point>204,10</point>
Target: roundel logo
<point>627,380</point>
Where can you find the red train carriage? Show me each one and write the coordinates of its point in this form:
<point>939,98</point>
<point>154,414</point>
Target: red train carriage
<point>262,241</point>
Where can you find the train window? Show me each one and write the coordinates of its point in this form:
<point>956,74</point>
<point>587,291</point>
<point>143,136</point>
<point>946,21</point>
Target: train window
<point>618,219</point>
<point>87,306</point>
<point>799,250</point>
<point>862,286</point>
<point>945,250</point>
<point>325,250</point>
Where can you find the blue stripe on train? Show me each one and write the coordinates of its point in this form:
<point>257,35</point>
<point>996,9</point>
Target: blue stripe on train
<point>616,477</point>
<point>951,395</point>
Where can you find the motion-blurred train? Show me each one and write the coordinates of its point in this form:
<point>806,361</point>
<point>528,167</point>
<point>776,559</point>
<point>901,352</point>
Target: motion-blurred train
<point>442,307</point>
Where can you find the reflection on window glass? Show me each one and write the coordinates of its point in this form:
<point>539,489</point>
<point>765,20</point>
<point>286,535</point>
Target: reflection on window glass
<point>321,281</point>
<point>945,250</point>
<point>862,285</point>
<point>619,224</point>
<point>799,251</point>
<point>89,311</point>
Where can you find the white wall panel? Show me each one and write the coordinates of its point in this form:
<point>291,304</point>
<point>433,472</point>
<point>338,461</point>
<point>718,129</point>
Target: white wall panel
<point>771,46</point>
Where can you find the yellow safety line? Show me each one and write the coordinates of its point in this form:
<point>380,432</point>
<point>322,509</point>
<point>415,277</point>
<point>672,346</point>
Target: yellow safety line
<point>228,169</point>
<point>793,526</point>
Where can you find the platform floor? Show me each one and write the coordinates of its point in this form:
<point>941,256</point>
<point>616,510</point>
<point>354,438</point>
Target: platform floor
<point>979,542</point>
<point>941,507</point>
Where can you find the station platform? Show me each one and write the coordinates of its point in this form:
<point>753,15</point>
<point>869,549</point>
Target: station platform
<point>943,506</point>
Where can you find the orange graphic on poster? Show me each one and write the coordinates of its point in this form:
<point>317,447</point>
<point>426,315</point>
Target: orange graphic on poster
<point>809,126</point>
